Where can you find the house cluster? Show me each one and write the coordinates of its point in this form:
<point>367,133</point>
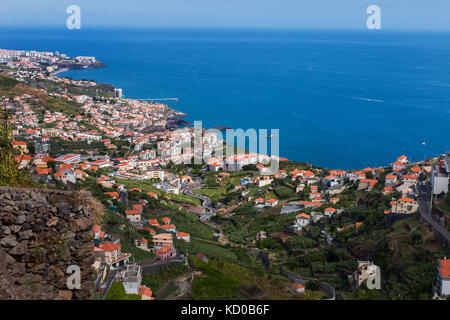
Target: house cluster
<point>302,220</point>
<point>403,179</point>
<point>109,257</point>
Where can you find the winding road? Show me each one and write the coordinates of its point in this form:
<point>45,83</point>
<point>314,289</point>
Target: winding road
<point>424,199</point>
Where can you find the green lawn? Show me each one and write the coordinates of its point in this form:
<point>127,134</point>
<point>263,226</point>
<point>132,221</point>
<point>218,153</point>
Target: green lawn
<point>156,280</point>
<point>213,193</point>
<point>445,206</point>
<point>211,250</point>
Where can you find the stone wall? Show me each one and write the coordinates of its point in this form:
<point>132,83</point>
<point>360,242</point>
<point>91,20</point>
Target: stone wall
<point>42,232</point>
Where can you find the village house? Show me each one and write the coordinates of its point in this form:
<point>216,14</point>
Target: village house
<point>404,205</point>
<point>145,293</point>
<point>152,194</point>
<point>390,180</point>
<point>261,235</point>
<point>133,215</point>
<point>329,212</point>
<point>298,288</point>
<point>142,243</point>
<point>161,240</point>
<point>443,277</point>
<point>184,236</point>
<point>113,255</point>
<point>440,175</point>
<point>301,221</point>
<point>271,202</point>
<point>20,145</point>
<point>334,200</point>
<point>131,279</point>
<point>366,270</point>
<point>259,201</point>
<point>316,216</point>
<point>387,190</point>
<point>151,231</point>
<point>169,228</point>
<point>166,220</point>
<point>165,252</point>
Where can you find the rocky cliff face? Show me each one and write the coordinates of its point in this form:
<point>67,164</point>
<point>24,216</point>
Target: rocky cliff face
<point>42,233</point>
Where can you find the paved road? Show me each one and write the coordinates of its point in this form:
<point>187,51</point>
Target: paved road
<point>109,279</point>
<point>206,203</point>
<point>424,199</point>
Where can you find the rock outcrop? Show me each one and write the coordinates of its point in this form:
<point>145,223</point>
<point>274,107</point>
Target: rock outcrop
<point>42,233</point>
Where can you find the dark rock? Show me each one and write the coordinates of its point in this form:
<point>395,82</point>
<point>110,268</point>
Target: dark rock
<point>63,208</point>
<point>64,295</point>
<point>25,235</point>
<point>15,228</point>
<point>52,222</point>
<point>7,209</point>
<point>9,241</point>
<point>19,249</point>
<point>16,197</point>
<point>81,224</point>
<point>5,231</point>
<point>21,219</point>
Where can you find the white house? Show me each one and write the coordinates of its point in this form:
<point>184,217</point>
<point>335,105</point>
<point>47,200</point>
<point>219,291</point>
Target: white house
<point>301,221</point>
<point>443,277</point>
<point>184,236</point>
<point>440,174</point>
<point>131,279</point>
<point>329,211</point>
<point>271,202</point>
<point>298,288</point>
<point>366,270</point>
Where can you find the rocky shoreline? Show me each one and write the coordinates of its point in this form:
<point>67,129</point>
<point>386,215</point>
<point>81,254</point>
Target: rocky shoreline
<point>64,67</point>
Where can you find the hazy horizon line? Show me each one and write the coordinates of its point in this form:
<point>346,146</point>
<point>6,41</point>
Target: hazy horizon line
<point>83,27</point>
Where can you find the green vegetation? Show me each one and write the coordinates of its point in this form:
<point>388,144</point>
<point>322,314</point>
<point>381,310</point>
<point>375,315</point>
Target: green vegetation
<point>10,175</point>
<point>225,280</point>
<point>117,292</point>
<point>138,254</point>
<point>146,186</point>
<point>156,280</point>
<point>60,146</point>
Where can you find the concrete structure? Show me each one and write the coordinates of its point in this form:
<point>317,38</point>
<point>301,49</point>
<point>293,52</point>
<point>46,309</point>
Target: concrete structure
<point>440,173</point>
<point>366,270</point>
<point>132,278</point>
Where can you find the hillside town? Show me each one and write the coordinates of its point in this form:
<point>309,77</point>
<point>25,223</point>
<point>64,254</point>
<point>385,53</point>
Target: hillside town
<point>167,224</point>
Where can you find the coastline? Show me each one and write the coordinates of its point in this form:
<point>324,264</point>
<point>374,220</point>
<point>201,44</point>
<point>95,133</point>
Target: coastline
<point>68,67</point>
<point>176,120</point>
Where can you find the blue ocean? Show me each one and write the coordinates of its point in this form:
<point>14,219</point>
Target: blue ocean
<point>341,99</point>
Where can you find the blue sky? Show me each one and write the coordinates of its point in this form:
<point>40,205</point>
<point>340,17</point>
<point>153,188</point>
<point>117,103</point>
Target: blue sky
<point>311,14</point>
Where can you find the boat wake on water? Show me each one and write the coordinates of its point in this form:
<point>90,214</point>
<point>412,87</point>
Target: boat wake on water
<point>367,99</point>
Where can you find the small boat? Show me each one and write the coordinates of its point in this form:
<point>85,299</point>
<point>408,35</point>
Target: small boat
<point>424,143</point>
<point>271,136</point>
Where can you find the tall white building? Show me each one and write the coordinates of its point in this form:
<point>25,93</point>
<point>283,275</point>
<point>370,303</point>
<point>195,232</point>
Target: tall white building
<point>440,174</point>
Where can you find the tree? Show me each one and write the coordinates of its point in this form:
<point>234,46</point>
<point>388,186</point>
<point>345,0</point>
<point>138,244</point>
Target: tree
<point>10,174</point>
<point>312,285</point>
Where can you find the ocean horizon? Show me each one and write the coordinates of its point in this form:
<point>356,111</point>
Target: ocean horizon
<point>341,99</point>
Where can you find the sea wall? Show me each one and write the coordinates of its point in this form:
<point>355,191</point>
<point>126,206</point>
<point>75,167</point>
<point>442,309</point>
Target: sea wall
<point>42,233</point>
